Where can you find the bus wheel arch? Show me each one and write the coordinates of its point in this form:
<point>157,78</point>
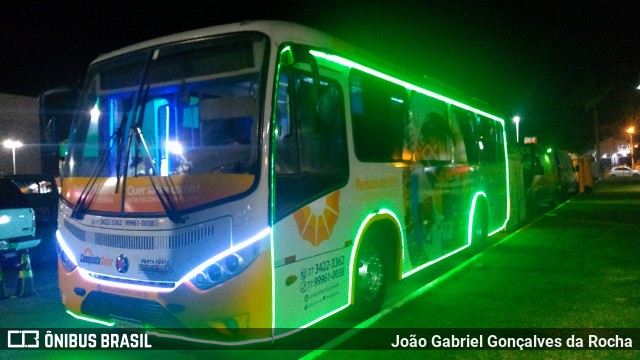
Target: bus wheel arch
<point>375,266</point>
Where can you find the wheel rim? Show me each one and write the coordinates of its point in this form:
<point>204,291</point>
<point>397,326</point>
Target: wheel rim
<point>370,273</point>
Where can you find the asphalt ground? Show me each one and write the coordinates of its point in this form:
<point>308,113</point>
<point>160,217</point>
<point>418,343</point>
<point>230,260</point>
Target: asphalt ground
<point>572,269</point>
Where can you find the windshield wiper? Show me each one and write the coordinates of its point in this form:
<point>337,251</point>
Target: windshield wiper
<point>161,192</point>
<point>83,199</point>
<point>134,132</point>
<point>134,136</point>
<point>120,139</point>
<point>116,139</point>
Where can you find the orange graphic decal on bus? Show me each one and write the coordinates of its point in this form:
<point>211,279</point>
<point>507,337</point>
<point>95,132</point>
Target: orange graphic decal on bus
<point>316,226</point>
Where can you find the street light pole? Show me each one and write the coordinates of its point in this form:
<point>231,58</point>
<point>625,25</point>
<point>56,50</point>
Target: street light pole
<point>516,120</point>
<point>631,131</point>
<point>13,144</point>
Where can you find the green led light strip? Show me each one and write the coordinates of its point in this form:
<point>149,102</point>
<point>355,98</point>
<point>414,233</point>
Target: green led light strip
<point>348,63</point>
<point>90,319</point>
<point>351,64</point>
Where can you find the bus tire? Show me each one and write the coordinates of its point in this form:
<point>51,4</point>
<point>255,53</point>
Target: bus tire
<point>370,280</point>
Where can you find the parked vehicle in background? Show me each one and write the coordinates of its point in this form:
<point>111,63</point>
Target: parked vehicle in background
<point>622,171</point>
<point>41,194</point>
<point>566,173</point>
<point>17,221</point>
<point>540,172</point>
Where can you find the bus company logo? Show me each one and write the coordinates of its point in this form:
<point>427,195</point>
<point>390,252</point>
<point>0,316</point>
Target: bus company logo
<point>87,257</point>
<point>315,223</point>
<point>122,263</point>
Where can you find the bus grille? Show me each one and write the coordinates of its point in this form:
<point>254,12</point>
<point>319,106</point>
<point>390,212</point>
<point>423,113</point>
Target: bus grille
<point>125,241</point>
<point>75,231</point>
<point>142,242</point>
<point>109,306</point>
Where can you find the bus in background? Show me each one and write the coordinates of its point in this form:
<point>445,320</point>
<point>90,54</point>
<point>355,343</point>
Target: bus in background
<point>255,178</point>
<point>541,176</point>
<point>548,174</point>
<point>566,174</point>
<point>56,109</point>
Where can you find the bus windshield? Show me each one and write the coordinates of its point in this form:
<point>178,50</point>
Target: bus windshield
<point>168,128</point>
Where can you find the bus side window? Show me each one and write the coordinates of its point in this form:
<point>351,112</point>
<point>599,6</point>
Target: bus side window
<point>436,139</point>
<point>379,111</point>
<point>460,151</point>
<point>310,140</point>
<point>429,135</point>
<point>492,137</point>
<point>306,112</point>
<point>331,127</point>
<point>285,138</point>
<point>470,133</point>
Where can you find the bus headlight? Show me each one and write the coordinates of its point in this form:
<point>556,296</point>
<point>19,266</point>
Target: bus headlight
<point>233,262</point>
<point>225,268</point>
<point>215,272</point>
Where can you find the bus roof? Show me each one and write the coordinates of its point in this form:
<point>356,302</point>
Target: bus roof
<point>284,31</point>
<point>280,32</point>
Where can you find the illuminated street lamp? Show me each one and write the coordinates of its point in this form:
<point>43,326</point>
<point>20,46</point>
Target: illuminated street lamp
<point>631,130</point>
<point>516,120</point>
<point>13,144</point>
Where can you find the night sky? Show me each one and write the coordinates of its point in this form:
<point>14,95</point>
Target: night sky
<point>548,61</point>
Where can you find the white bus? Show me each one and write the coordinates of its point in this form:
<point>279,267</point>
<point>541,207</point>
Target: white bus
<point>258,177</point>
